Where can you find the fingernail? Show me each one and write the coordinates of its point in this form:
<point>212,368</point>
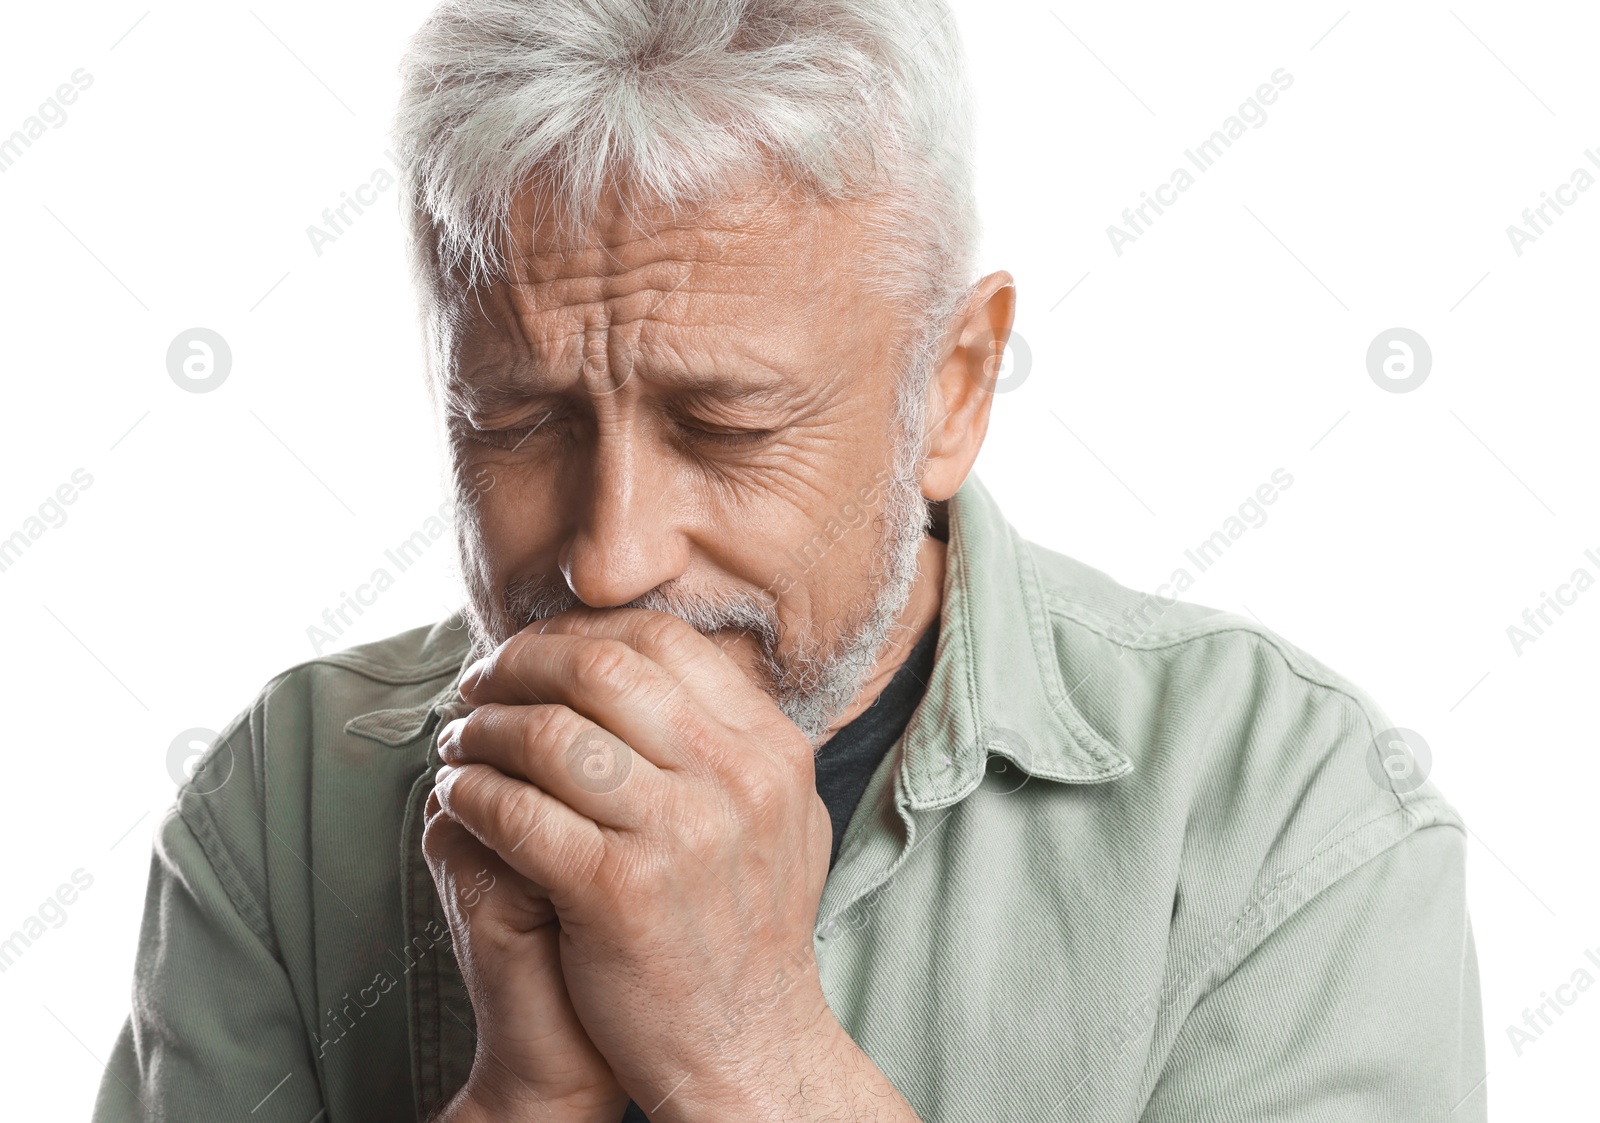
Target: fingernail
<point>449,732</point>
<point>441,787</point>
<point>471,677</point>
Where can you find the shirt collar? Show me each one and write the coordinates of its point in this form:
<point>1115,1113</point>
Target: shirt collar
<point>999,686</point>
<point>401,725</point>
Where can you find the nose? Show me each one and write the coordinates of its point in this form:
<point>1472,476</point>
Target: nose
<point>626,539</point>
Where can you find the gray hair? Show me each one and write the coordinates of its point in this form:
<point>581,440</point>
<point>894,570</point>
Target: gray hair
<point>685,101</point>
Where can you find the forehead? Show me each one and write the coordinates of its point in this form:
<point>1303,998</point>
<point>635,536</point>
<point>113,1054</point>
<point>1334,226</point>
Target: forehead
<point>741,295</point>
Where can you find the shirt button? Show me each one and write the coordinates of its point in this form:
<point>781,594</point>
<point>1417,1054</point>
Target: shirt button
<point>1002,776</point>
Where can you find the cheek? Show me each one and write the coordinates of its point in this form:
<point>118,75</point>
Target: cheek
<point>820,560</point>
<point>838,582</point>
<point>509,515</point>
<point>809,531</point>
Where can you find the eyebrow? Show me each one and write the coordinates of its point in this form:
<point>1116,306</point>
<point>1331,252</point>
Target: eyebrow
<point>491,386</point>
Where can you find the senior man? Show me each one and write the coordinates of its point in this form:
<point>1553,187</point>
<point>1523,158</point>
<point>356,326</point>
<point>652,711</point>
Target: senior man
<point>767,773</point>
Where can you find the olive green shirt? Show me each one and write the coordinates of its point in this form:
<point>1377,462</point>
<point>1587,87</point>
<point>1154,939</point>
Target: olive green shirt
<point>1120,866</point>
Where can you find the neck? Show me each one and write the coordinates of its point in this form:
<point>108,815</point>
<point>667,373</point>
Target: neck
<point>927,594</point>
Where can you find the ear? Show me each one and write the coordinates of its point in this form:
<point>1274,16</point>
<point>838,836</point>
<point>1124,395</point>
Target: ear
<point>962,387</point>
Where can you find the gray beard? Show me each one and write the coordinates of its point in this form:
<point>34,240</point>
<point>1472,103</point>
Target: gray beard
<point>811,683</point>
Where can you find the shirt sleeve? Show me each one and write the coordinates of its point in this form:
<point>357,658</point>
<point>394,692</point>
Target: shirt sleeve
<point>214,1032</point>
<point>1361,1007</point>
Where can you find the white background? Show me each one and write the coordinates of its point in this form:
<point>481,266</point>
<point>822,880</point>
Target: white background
<point>1227,342</point>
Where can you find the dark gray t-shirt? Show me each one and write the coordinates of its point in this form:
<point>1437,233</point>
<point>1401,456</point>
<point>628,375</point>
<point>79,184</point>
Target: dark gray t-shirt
<point>847,760</point>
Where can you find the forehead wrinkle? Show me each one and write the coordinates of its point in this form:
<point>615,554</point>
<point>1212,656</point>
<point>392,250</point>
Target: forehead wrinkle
<point>696,367</point>
<point>623,246</point>
<point>704,311</point>
<point>673,309</point>
<point>635,292</point>
<point>704,359</point>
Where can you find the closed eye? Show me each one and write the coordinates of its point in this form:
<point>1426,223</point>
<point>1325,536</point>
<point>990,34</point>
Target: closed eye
<point>513,437</point>
<point>721,436</point>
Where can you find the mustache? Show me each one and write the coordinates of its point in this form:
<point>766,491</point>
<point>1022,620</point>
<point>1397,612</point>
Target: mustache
<point>538,598</point>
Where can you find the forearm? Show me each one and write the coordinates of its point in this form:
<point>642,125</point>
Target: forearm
<point>848,1088</point>
<point>830,1080</point>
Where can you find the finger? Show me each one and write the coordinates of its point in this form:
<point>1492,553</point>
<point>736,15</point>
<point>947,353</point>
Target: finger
<point>562,753</point>
<point>613,685</point>
<point>475,883</point>
<point>687,661</point>
<point>507,938</point>
<point>538,836</point>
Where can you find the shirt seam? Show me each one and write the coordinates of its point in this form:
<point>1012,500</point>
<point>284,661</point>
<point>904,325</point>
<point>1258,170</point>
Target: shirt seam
<point>1064,605</point>
<point>388,674</point>
<point>1412,809</point>
<point>204,835</point>
<point>190,809</point>
<point>1279,647</point>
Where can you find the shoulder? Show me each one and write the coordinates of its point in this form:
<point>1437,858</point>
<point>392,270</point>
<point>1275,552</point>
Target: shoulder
<point>349,691</point>
<point>402,671</point>
<point>419,655</point>
<point>338,734</point>
<point>1244,746</point>
<point>1221,684</point>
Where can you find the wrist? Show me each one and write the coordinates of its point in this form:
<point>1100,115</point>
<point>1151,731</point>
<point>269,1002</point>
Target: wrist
<point>802,1073</point>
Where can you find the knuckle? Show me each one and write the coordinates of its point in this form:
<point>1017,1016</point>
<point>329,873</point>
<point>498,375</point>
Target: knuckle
<point>471,727</point>
<point>495,660</point>
<point>607,665</point>
<point>761,790</point>
<point>686,727</point>
<point>511,812</point>
<point>543,727</point>
<point>494,664</point>
<point>702,833</point>
<point>434,846</point>
<point>502,661</point>
<point>661,631</point>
